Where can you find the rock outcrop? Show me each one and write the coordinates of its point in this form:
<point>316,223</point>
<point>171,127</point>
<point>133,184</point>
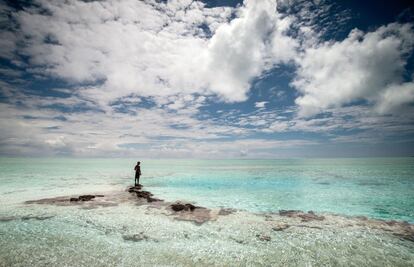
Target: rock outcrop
<point>180,211</point>
<point>183,207</point>
<point>84,197</point>
<point>143,194</point>
<point>64,201</point>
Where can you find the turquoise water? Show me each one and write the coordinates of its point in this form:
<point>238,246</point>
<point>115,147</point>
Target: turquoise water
<point>86,234</point>
<point>374,187</point>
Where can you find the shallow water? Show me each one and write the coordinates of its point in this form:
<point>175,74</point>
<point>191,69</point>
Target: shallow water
<point>374,187</point>
<point>49,235</point>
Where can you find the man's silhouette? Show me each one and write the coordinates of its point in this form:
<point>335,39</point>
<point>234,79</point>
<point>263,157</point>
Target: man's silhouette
<point>137,173</point>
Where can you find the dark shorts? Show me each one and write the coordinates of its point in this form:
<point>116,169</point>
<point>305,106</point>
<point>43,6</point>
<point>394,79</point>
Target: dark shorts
<point>137,175</point>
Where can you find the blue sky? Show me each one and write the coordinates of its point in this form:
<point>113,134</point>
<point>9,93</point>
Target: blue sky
<point>211,79</point>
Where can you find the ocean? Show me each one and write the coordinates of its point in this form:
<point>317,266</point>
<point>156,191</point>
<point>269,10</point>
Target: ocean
<point>371,188</point>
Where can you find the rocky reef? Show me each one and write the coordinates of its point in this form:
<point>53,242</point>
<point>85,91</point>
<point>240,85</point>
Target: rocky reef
<point>180,211</point>
<point>137,190</point>
<point>84,197</point>
<point>283,220</point>
<point>306,217</point>
<point>183,207</point>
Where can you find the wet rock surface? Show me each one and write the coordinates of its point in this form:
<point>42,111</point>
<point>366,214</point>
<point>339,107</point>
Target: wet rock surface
<point>84,197</point>
<point>189,212</point>
<point>183,207</point>
<point>180,211</point>
<point>284,220</point>
<point>64,200</point>
<point>137,190</point>
<point>83,201</point>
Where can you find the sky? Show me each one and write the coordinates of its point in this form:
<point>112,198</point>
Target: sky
<point>206,79</point>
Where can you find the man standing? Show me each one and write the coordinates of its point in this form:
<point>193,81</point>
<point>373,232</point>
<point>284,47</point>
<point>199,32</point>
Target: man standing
<point>137,173</point>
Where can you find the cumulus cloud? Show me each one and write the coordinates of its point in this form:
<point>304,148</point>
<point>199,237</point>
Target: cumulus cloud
<point>138,76</point>
<point>364,66</point>
<point>176,48</point>
<point>152,48</point>
<point>248,45</point>
<point>394,96</point>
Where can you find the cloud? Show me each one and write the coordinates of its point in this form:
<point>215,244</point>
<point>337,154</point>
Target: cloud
<point>394,96</point>
<point>143,78</point>
<point>141,47</point>
<point>153,49</point>
<point>159,50</point>
<point>260,104</point>
<point>364,66</point>
<point>248,45</point>
<point>29,130</point>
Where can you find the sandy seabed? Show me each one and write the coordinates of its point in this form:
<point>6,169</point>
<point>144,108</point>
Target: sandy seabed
<point>127,229</point>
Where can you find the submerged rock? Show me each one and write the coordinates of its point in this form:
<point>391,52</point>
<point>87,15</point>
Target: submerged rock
<point>7,218</point>
<point>406,236</point>
<point>151,199</point>
<point>280,227</point>
<point>84,201</point>
<point>263,237</point>
<point>310,216</point>
<point>135,237</point>
<point>226,211</point>
<point>306,217</point>
<point>39,218</point>
<point>289,213</point>
<point>239,241</point>
<point>144,194</point>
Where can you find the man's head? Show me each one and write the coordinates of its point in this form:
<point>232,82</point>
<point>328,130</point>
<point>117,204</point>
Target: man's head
<point>138,162</point>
